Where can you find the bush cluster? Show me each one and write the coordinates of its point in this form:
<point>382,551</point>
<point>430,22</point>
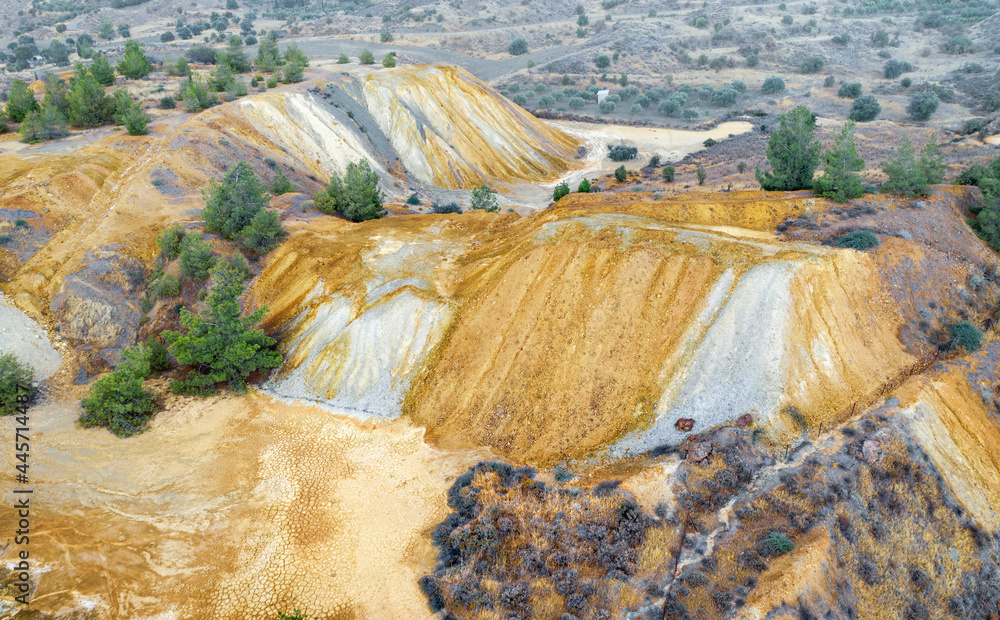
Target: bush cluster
<point>355,196</point>
<point>118,401</point>
<point>14,375</point>
<point>221,344</point>
<point>620,152</point>
<point>772,85</point>
<point>237,210</point>
<point>857,240</point>
<point>986,216</point>
<point>495,535</point>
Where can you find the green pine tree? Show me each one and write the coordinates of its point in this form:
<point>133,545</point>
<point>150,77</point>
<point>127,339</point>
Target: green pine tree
<point>134,64</point>
<point>561,190</point>
<point>20,101</point>
<point>56,94</point>
<point>85,46</point>
<point>294,54</point>
<point>123,105</point>
<point>357,196</point>
<point>58,53</point>
<point>292,73</point>
<point>118,401</point>
<point>89,106</point>
<point>222,345</point>
<point>136,121</point>
<point>222,77</point>
<point>932,163</point>
<point>106,29</point>
<point>268,56</point>
<point>792,153</point>
<point>281,184</point>
<point>840,181</point>
<point>48,124</point>
<point>231,204</point>
<point>911,177</point>
<point>235,56</point>
<point>483,199</point>
<point>16,380</point>
<point>584,187</point>
<point>102,71</point>
<point>170,239</point>
<point>197,259</point>
<point>264,233</point>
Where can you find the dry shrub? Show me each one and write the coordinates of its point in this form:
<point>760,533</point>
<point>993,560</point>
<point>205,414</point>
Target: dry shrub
<point>515,547</point>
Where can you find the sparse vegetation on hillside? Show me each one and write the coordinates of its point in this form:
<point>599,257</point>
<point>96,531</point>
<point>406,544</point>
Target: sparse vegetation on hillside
<point>515,547</point>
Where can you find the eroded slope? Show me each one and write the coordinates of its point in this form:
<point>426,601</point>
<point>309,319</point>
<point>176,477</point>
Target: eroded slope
<point>598,325</point>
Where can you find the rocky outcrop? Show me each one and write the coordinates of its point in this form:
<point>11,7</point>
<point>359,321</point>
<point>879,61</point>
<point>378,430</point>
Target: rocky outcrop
<point>97,308</point>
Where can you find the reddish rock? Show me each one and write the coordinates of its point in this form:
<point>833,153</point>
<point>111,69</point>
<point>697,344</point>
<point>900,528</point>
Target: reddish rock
<point>744,420</point>
<point>685,424</point>
<point>699,452</point>
<point>871,450</point>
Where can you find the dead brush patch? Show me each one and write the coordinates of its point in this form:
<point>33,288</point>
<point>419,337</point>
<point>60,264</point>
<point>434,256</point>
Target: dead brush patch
<point>901,546</point>
<point>907,548</point>
<point>515,547</point>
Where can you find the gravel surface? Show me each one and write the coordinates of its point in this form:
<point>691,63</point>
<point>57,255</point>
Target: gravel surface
<point>22,336</point>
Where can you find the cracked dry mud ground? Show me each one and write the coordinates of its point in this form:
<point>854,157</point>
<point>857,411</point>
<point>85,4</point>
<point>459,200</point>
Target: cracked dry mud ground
<point>235,508</point>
